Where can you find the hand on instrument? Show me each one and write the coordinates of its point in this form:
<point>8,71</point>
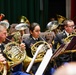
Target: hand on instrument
<point>2,59</point>
<point>22,45</point>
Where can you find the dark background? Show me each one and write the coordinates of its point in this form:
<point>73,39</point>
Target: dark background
<point>39,11</point>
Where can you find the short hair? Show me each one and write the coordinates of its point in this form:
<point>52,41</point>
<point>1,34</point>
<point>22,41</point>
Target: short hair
<point>65,23</point>
<point>2,26</point>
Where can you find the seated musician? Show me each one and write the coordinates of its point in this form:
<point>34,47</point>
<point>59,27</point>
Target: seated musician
<point>68,29</point>
<point>64,58</point>
<point>17,70</point>
<point>33,38</point>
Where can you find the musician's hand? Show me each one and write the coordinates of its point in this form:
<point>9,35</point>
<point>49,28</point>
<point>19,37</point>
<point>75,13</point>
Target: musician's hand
<point>22,45</point>
<point>50,45</point>
<point>2,59</point>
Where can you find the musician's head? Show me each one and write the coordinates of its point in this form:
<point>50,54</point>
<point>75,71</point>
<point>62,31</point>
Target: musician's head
<point>66,69</point>
<point>69,25</point>
<point>35,30</point>
<point>3,33</point>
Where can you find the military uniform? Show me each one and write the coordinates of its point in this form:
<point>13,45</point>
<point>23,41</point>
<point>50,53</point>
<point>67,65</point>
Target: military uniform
<point>29,43</point>
<point>59,39</point>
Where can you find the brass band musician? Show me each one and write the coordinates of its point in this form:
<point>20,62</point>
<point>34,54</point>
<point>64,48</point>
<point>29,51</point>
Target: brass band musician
<point>68,29</point>
<point>17,70</point>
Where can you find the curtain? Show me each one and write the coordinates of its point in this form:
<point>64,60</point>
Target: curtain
<point>73,10</point>
<point>14,9</point>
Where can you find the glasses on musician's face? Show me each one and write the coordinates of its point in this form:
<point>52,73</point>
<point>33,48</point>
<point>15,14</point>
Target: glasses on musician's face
<point>72,26</point>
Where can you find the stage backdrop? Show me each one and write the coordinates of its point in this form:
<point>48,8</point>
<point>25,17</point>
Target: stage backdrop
<point>34,10</point>
<point>73,10</point>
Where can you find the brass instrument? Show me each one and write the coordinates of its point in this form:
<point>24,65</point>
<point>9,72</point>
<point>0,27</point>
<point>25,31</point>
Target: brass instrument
<point>69,46</point>
<point>43,49</point>
<point>40,55</point>
<point>52,25</point>
<point>38,50</point>
<point>69,38</point>
<point>60,19</point>
<point>21,26</point>
<point>14,55</point>
<point>24,19</point>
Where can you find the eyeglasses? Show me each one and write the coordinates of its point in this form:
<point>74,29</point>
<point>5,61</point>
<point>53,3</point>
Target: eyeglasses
<point>72,26</point>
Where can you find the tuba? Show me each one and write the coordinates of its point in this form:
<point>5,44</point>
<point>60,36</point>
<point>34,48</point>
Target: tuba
<point>14,55</point>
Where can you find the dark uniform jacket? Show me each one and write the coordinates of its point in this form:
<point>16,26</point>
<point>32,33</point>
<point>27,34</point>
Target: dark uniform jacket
<point>59,39</point>
<point>65,57</point>
<point>29,42</point>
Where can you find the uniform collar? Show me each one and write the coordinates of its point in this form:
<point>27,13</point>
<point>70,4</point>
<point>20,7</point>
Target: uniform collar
<point>67,33</point>
<point>35,38</point>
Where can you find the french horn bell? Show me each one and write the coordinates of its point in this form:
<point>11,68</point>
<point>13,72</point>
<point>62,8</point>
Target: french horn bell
<point>40,55</point>
<point>14,55</point>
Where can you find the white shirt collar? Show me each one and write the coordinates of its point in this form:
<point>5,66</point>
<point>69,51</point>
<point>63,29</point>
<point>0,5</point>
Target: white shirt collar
<point>35,38</point>
<point>67,33</point>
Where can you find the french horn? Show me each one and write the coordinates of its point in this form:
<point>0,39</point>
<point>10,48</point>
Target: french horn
<point>14,54</point>
<point>40,55</point>
<point>69,38</point>
<point>43,50</point>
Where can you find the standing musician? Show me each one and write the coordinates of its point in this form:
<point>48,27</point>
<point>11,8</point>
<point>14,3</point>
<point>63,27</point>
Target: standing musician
<point>17,70</point>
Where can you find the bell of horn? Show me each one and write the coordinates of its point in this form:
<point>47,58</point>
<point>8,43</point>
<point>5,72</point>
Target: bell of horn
<point>40,55</point>
<point>60,19</point>
<point>52,25</point>
<point>14,55</point>
<point>24,19</point>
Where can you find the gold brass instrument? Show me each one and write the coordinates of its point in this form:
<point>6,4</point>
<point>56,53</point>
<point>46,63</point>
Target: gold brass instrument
<point>67,39</point>
<point>40,55</point>
<point>42,51</point>
<point>38,50</point>
<point>60,19</point>
<point>14,55</point>
<point>24,19</point>
<point>64,47</point>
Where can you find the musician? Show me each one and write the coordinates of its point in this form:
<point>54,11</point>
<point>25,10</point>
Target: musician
<point>68,29</point>
<point>17,70</point>
<point>32,39</point>
<point>64,58</point>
